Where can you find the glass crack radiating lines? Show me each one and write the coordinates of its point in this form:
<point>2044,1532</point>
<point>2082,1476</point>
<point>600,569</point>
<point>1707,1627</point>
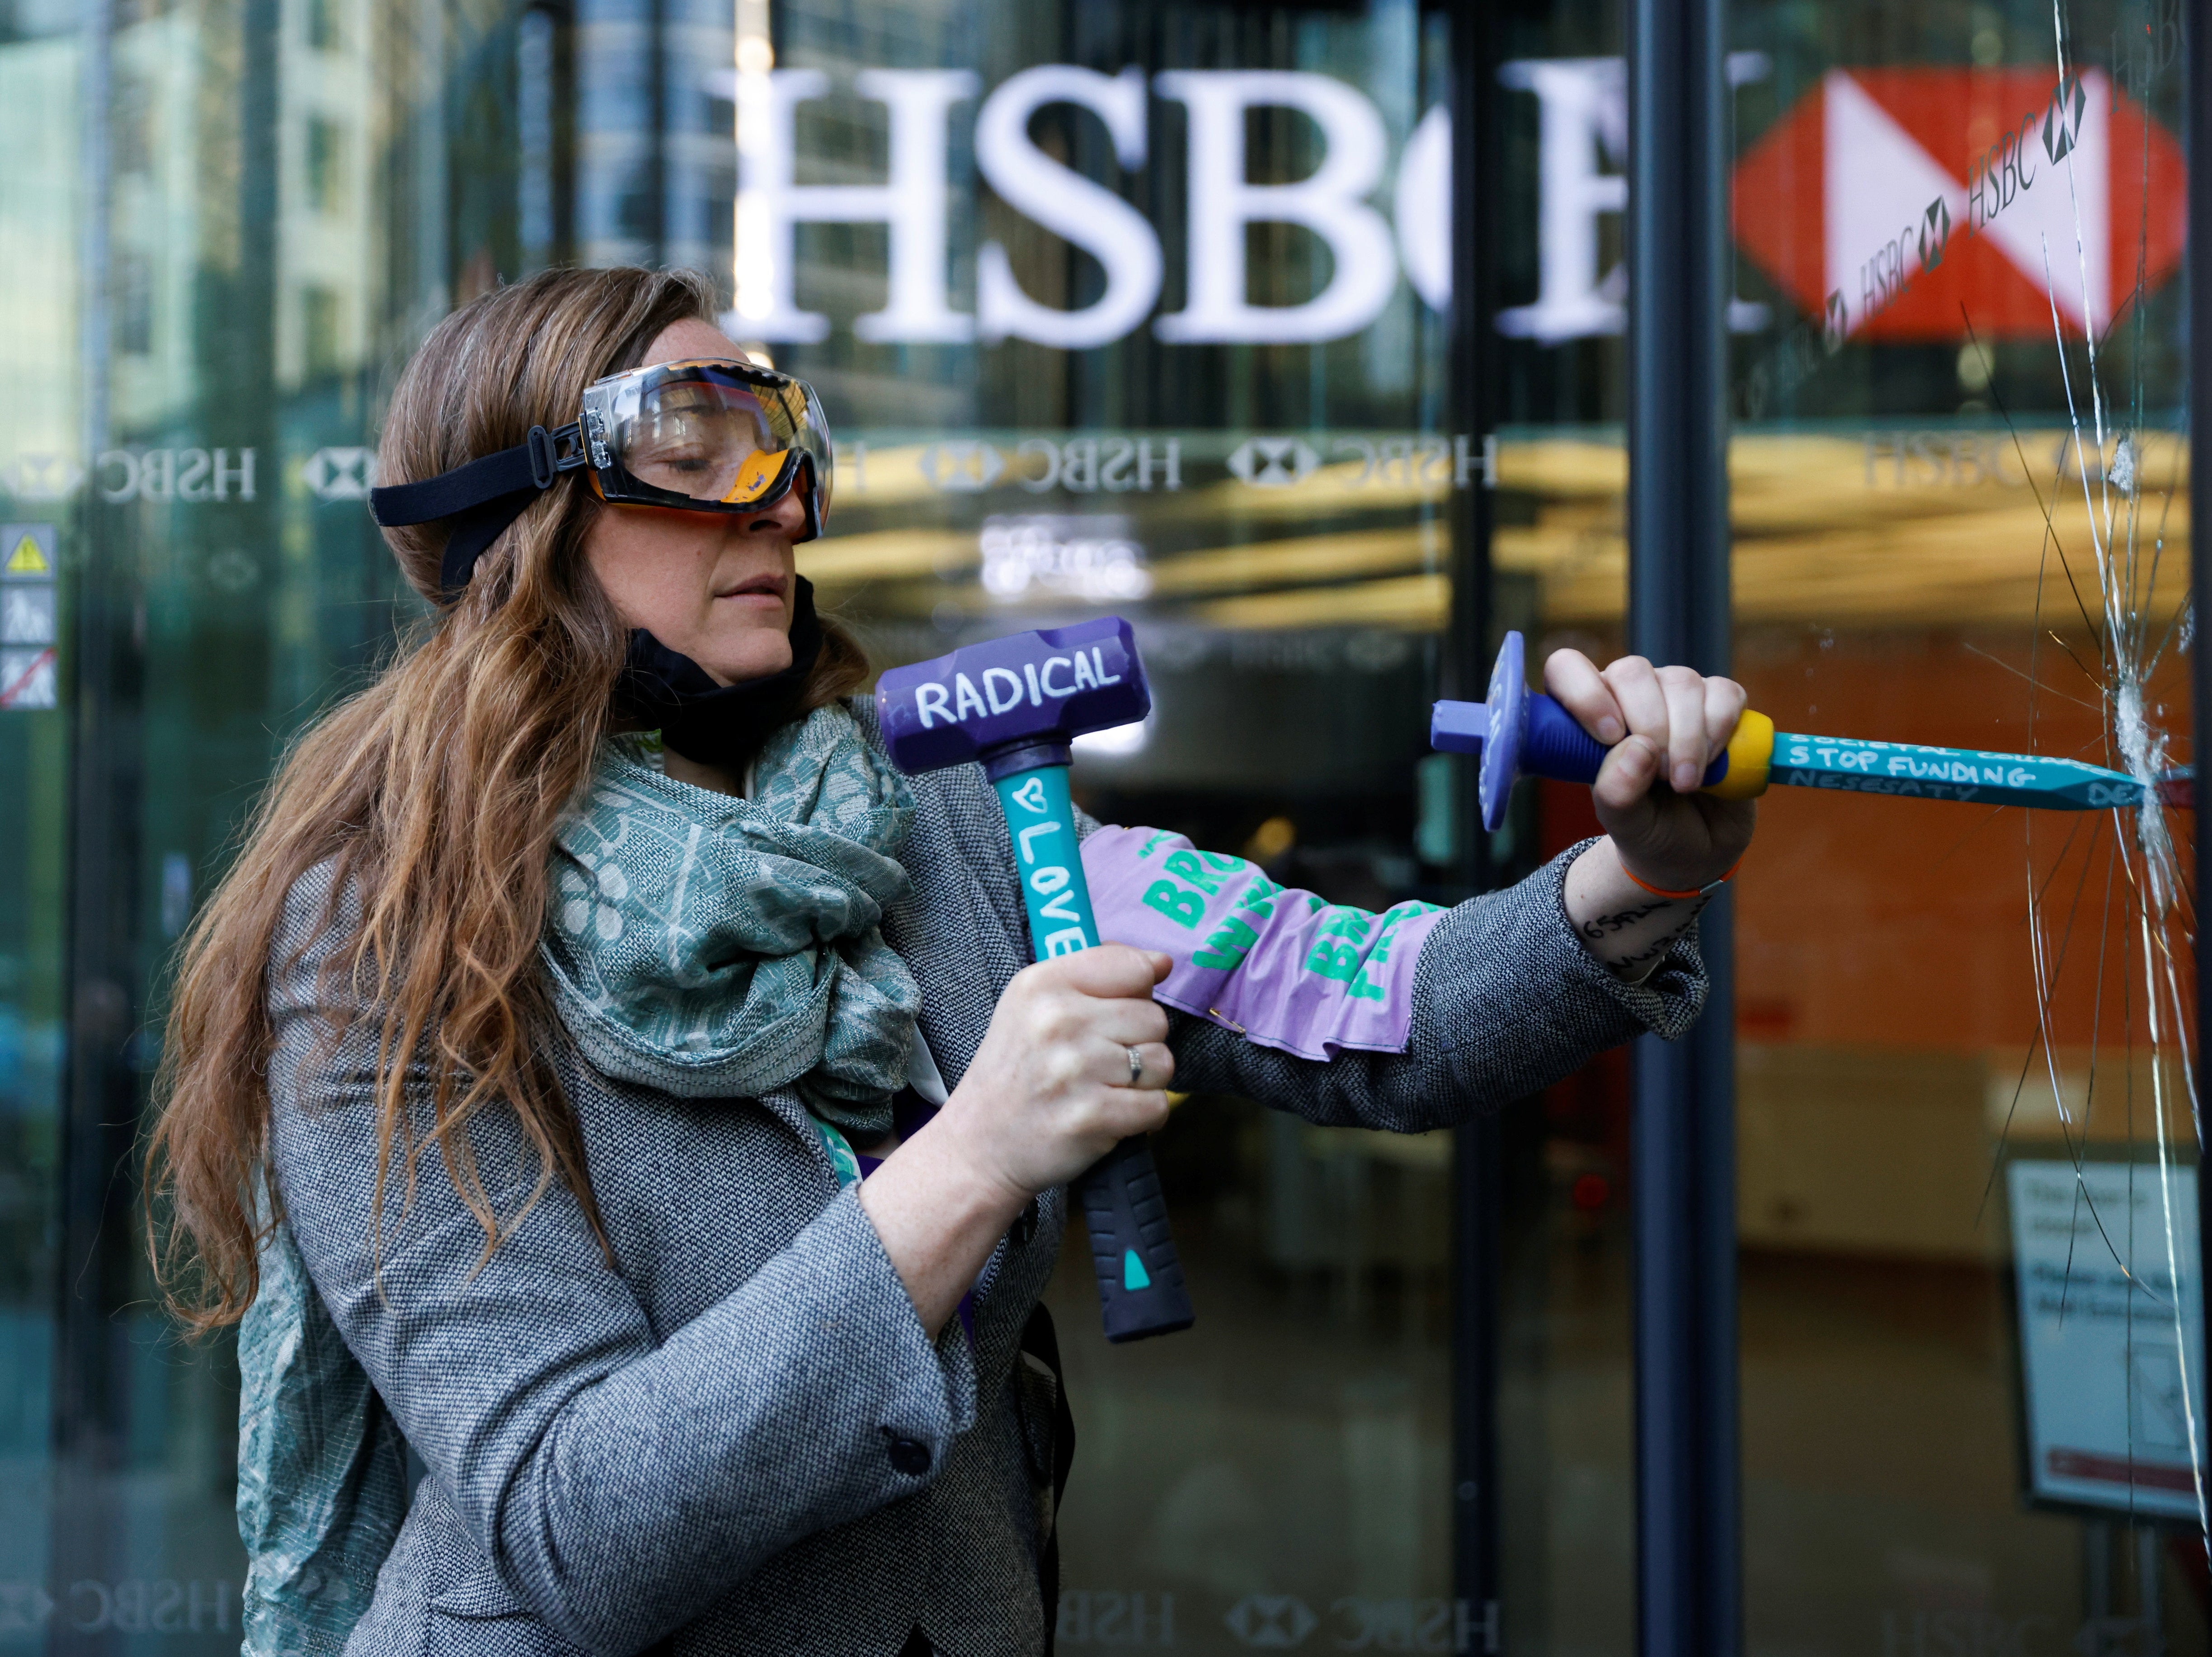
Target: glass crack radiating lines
<point>2145,849</point>
<point>2126,648</point>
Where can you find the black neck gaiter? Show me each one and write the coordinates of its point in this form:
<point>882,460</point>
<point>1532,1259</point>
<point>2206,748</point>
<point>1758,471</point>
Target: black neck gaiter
<point>720,725</point>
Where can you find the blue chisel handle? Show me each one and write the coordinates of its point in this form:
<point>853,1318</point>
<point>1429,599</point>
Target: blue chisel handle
<point>1518,732</point>
<point>1140,1286</point>
<point>1554,744</point>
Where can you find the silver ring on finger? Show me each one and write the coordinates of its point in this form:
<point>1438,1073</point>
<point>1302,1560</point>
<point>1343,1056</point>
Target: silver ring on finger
<point>1136,1068</point>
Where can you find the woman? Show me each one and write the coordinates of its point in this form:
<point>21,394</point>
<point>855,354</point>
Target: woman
<point>521,1072</point>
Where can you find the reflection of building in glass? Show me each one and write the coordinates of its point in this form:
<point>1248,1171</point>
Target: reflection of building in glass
<point>156,221</point>
<point>326,156</point>
<point>656,171</point>
<point>182,227</point>
<point>41,67</point>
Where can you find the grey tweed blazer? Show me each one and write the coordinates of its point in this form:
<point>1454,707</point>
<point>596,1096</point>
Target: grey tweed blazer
<point>738,1439</point>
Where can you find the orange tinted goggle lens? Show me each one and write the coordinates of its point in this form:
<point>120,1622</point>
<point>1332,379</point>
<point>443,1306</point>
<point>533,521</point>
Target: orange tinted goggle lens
<point>756,476</point>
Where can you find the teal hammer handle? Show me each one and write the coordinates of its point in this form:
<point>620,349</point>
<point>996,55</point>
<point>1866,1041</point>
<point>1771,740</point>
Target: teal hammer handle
<point>1132,1252</point>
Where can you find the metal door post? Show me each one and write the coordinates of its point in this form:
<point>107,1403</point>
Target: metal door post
<point>1477,1184</point>
<point>1689,1570</point>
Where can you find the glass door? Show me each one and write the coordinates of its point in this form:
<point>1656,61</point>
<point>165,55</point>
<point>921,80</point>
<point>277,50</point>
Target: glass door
<point>1139,307</point>
<point>1191,367</point>
<point>1960,501</point>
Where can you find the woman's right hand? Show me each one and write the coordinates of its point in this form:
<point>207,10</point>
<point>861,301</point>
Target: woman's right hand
<point>1049,1092</point>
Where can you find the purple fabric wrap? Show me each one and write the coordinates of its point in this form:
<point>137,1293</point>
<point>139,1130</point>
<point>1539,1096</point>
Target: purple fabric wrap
<point>1286,969</point>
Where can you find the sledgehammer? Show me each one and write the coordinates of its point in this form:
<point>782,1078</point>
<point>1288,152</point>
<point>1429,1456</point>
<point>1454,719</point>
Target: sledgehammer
<point>1016,704</point>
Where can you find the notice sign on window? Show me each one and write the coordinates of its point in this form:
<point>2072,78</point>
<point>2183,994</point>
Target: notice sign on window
<point>2109,1396</point>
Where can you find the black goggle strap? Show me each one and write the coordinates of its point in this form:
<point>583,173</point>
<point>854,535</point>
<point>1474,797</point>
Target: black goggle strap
<point>482,498</point>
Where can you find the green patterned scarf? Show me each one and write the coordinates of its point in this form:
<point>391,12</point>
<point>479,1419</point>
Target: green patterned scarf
<point>721,948</point>
<point>703,945</point>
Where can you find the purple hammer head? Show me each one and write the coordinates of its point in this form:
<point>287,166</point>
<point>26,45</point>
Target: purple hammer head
<point>1027,691</point>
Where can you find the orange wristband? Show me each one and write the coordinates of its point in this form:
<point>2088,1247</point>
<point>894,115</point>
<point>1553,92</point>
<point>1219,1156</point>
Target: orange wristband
<point>1707,890</point>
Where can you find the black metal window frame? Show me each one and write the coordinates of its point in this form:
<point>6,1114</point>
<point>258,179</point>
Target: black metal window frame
<point>1688,1473</point>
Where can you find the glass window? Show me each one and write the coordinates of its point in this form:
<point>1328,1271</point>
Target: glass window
<point>1183,369</point>
<point>1960,512</point>
<point>196,272</point>
<point>1151,309</point>
<point>325,165</point>
<point>1104,319</point>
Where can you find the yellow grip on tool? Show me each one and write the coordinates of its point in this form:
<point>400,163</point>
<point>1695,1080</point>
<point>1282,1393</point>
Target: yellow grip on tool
<point>1750,752</point>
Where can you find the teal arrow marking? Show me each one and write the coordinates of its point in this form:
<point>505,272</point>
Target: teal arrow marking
<point>1959,774</point>
<point>1133,1275</point>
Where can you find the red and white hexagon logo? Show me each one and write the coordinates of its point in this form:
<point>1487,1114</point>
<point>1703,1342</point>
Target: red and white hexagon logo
<point>1898,203</point>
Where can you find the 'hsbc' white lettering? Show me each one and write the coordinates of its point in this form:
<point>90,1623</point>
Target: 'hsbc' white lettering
<point>1582,123</point>
<point>912,204</point>
<point>1583,116</point>
<point>1330,202</point>
<point>1069,205</point>
<point>193,474</point>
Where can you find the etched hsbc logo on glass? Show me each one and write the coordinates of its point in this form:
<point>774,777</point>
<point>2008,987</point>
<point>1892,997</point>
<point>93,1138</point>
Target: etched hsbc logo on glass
<point>962,466</point>
<point>1273,463</point>
<point>340,474</point>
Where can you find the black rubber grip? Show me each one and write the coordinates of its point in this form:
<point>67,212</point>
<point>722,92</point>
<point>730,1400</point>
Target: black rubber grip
<point>1140,1287</point>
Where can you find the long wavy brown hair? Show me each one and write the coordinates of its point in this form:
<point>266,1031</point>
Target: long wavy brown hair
<point>436,793</point>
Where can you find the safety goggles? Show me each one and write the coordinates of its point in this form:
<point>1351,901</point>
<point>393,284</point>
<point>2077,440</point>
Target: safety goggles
<point>697,436</point>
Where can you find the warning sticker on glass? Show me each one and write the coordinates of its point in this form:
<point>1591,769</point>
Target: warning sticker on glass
<point>27,680</point>
<point>1287,968</point>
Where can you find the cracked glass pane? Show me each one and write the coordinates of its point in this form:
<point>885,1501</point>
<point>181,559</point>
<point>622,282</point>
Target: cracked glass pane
<point>1971,1313</point>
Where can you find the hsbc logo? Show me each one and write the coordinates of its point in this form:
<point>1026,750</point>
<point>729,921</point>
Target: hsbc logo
<point>965,467</point>
<point>340,474</point>
<point>1887,200</point>
<point>1851,203</point>
<point>1380,217</point>
<point>1276,1621</point>
<point>41,476</point>
<point>1338,202</point>
<point>1273,463</point>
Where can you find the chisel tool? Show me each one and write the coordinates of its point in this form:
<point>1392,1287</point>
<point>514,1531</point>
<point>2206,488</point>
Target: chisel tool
<point>1520,732</point>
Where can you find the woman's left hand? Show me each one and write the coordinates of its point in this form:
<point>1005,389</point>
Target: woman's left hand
<point>1662,725</point>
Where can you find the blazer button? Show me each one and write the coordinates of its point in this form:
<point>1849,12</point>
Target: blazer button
<point>1025,1224</point>
<point>909,1456</point>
